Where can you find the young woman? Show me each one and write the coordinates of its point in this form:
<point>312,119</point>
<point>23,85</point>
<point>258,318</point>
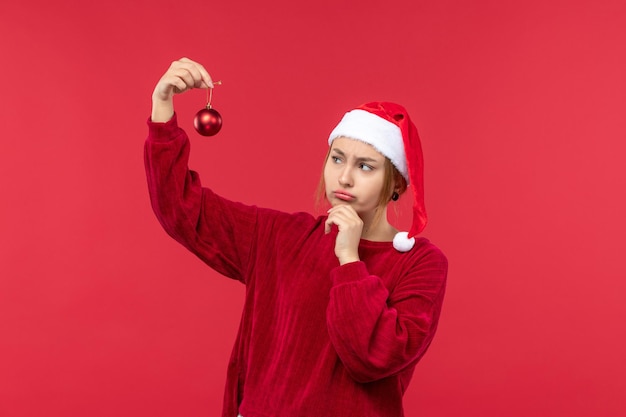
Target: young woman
<point>339,308</point>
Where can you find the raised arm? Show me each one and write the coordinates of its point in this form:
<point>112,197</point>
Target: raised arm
<point>218,231</point>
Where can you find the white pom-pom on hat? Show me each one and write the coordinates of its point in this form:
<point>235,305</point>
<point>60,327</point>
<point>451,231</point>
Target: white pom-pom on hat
<point>402,243</point>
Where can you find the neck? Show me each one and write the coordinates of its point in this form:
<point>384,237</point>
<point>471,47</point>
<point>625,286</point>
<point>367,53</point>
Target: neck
<point>378,231</point>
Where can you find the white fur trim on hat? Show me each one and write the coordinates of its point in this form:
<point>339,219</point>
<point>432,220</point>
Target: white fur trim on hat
<point>401,243</point>
<point>383,135</point>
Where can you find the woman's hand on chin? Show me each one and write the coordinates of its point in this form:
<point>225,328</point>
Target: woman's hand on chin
<point>350,228</point>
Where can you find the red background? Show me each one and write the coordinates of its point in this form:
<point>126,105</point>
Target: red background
<point>520,106</point>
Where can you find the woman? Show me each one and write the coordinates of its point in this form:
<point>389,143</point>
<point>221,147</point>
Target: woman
<point>339,308</point>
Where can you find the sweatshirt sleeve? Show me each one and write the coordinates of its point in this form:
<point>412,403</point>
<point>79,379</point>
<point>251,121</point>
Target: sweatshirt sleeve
<point>377,333</point>
<point>218,231</point>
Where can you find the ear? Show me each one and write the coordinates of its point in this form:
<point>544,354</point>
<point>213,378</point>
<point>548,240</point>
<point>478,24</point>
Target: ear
<point>399,184</point>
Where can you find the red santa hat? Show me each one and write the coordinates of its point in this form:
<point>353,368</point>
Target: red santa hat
<point>388,128</point>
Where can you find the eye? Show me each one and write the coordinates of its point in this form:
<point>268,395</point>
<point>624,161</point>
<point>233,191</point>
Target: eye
<point>366,167</point>
<point>336,159</point>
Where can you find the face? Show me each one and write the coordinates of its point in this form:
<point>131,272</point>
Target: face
<point>354,174</point>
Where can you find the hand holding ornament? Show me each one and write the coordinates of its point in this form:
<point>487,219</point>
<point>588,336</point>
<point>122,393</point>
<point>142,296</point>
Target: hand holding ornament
<point>182,75</point>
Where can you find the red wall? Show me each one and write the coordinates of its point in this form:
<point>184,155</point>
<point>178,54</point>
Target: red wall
<point>520,106</point>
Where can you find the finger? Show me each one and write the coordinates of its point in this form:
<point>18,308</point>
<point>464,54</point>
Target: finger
<point>184,74</point>
<point>340,220</point>
<point>327,225</point>
<point>335,209</point>
<point>168,83</point>
<point>199,73</point>
<point>187,65</point>
<point>196,75</point>
<point>333,220</point>
<point>330,219</point>
<point>344,212</point>
<point>342,207</point>
<point>179,85</point>
<point>206,78</point>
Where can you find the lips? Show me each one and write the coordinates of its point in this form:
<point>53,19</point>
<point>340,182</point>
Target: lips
<point>343,195</point>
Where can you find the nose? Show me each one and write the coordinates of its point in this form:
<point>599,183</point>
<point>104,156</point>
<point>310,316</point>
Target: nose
<point>345,177</point>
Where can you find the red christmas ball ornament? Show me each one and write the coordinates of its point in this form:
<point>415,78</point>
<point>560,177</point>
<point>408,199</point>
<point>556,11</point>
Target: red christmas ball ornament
<point>208,121</point>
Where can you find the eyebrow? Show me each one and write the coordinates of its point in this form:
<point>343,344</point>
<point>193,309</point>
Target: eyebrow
<point>359,159</point>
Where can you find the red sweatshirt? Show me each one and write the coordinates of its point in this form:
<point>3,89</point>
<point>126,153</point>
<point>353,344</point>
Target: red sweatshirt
<point>316,339</point>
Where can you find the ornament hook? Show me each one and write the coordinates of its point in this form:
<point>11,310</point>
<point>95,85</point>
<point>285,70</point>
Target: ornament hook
<point>209,93</point>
